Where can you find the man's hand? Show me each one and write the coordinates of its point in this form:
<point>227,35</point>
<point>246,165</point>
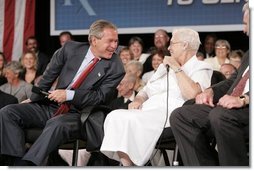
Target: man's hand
<point>230,102</point>
<point>26,101</point>
<point>58,96</point>
<point>205,97</point>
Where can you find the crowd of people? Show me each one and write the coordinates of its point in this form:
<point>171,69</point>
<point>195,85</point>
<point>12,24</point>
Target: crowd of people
<point>145,91</point>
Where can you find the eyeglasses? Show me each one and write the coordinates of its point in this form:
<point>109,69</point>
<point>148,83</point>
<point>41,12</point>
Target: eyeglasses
<point>172,43</point>
<point>220,47</point>
<point>159,36</point>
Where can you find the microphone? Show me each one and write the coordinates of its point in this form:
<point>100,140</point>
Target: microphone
<point>167,66</point>
<point>37,90</point>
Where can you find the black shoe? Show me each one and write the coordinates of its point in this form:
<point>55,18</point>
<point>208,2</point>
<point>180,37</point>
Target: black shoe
<point>20,162</point>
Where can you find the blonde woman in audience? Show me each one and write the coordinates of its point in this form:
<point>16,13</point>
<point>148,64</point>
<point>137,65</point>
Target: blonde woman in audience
<point>126,56</point>
<point>235,57</point>
<point>157,59</point>
<point>29,64</point>
<point>136,68</point>
<point>222,50</point>
<point>15,86</point>
<point>2,63</point>
<point>136,45</point>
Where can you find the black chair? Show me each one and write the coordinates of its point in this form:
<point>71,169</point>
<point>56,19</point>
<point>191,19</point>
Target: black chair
<point>32,134</point>
<point>167,142</point>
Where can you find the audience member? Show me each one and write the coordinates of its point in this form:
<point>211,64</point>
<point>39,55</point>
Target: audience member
<point>64,37</point>
<point>29,64</point>
<point>136,68</point>
<point>136,45</point>
<point>126,56</point>
<point>227,70</point>
<point>44,112</point>
<point>209,46</point>
<point>157,59</point>
<point>15,86</point>
<point>235,57</point>
<point>161,41</point>
<point>2,64</point>
<point>222,50</point>
<point>131,135</point>
<point>43,60</point>
<point>200,56</point>
<point>126,92</point>
<point>223,110</point>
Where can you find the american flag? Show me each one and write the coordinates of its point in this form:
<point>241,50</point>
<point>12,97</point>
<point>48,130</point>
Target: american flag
<point>16,25</point>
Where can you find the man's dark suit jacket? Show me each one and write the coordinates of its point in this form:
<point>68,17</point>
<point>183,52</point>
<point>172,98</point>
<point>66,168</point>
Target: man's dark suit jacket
<point>97,88</point>
<point>227,86</point>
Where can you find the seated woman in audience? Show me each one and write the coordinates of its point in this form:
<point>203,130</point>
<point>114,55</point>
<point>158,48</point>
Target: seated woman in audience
<point>157,59</point>
<point>136,45</point>
<point>2,63</point>
<point>15,86</point>
<point>126,56</point>
<point>235,57</point>
<point>29,64</point>
<point>130,135</point>
<point>222,50</point>
<point>136,68</point>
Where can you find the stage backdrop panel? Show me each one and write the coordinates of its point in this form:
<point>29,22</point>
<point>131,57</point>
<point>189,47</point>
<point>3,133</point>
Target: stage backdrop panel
<point>146,16</point>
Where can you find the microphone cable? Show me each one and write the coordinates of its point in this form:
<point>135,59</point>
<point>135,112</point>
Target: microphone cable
<point>164,126</point>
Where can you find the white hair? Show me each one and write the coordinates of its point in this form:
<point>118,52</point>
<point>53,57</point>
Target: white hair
<point>188,35</point>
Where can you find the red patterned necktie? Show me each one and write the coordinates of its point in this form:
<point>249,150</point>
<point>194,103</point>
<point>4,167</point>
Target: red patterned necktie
<point>238,90</point>
<point>65,107</point>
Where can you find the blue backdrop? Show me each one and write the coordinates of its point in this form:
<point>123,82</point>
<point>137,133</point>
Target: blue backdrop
<point>145,16</point>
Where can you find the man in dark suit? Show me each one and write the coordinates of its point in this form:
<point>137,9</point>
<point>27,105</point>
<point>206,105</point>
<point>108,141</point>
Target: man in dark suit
<point>67,65</point>
<point>219,110</point>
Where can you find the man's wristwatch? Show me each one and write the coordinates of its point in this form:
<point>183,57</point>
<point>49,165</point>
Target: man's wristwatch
<point>243,99</point>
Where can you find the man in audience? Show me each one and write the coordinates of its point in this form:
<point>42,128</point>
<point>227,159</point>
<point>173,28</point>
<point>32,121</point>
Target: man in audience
<point>58,113</point>
<point>161,41</point>
<point>126,92</point>
<point>222,109</point>
<point>64,37</point>
<point>43,59</point>
<point>209,46</point>
<point>227,69</point>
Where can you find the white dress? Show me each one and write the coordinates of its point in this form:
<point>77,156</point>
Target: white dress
<point>136,132</point>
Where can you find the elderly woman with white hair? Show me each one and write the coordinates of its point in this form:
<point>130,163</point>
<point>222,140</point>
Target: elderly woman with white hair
<point>15,86</point>
<point>131,135</point>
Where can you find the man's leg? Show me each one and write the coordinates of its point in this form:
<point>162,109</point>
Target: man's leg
<point>58,130</point>
<point>228,127</point>
<point>189,124</point>
<point>13,119</point>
